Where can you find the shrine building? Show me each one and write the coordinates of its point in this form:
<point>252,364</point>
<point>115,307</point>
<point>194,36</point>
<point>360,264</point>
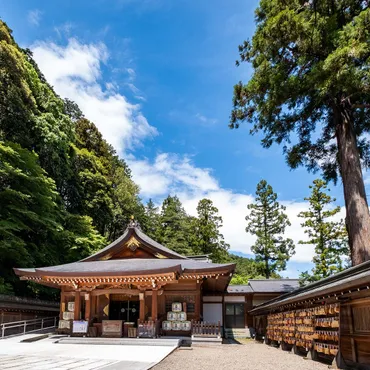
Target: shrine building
<point>139,283</point>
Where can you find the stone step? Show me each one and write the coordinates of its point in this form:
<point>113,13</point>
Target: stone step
<point>122,341</point>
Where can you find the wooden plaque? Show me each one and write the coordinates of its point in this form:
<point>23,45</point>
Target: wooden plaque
<point>112,328</point>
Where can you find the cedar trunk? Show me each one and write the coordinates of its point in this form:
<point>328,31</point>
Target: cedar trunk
<point>357,210</point>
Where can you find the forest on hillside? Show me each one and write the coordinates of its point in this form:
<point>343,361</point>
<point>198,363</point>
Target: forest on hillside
<point>64,191</point>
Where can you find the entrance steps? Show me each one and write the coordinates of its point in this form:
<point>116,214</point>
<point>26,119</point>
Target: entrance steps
<point>237,333</point>
<point>205,341</point>
<point>173,342</point>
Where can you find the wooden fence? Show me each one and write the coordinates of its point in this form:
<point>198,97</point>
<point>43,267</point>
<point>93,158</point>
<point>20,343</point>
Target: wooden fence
<point>146,329</point>
<point>206,329</point>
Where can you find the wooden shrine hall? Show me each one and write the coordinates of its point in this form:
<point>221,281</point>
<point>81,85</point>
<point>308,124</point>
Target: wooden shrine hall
<point>133,287</point>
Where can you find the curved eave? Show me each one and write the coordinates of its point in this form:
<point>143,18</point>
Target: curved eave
<point>45,273</point>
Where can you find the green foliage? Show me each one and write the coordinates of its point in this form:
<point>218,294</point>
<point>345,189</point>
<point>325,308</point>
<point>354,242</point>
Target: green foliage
<point>247,268</point>
<point>29,215</point>
<point>152,221</point>
<point>329,237</point>
<point>267,221</point>
<point>206,231</point>
<point>309,58</point>
<point>175,226</point>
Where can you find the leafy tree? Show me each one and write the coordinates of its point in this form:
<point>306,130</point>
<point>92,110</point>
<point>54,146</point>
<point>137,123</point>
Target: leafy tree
<point>246,269</point>
<point>175,227</point>
<point>268,222</point>
<point>207,236</point>
<point>328,237</point>
<point>310,92</point>
<point>29,215</point>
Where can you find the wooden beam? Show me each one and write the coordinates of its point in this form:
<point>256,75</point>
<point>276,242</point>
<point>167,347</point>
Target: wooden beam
<point>97,292</point>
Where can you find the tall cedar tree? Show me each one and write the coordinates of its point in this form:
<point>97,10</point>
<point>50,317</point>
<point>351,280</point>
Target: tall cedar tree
<point>268,221</point>
<point>311,82</point>
<point>329,237</point>
<point>175,226</point>
<point>207,236</point>
<point>152,220</point>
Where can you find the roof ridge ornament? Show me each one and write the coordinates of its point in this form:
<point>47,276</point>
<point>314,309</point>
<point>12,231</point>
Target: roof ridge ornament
<point>133,223</point>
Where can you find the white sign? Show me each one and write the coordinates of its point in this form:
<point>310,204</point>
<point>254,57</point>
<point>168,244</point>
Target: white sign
<point>80,326</point>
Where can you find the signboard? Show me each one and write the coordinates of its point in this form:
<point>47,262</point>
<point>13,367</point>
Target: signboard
<point>80,327</point>
<point>64,324</point>
<point>112,328</point>
<point>71,306</point>
<point>68,315</point>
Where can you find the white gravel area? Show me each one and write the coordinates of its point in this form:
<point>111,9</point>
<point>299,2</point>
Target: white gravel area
<point>249,356</point>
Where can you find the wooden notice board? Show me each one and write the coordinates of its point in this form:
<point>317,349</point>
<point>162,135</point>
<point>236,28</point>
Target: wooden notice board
<point>112,328</point>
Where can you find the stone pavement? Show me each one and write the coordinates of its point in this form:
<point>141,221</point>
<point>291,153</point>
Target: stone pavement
<point>45,354</point>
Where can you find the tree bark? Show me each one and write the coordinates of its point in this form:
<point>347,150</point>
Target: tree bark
<point>357,210</point>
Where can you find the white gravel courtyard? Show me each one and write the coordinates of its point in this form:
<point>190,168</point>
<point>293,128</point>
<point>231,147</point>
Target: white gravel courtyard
<point>248,356</point>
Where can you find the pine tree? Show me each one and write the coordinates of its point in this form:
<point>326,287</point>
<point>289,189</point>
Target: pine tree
<point>268,222</point>
<point>310,92</point>
<point>329,237</point>
<point>174,230</point>
<point>207,236</point>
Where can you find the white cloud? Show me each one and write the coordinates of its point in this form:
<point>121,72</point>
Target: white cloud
<point>173,174</point>
<point>202,118</point>
<point>34,17</point>
<point>75,72</point>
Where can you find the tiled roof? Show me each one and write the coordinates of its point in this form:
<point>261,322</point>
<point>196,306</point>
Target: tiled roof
<point>129,266</point>
<point>273,285</point>
<point>239,289</point>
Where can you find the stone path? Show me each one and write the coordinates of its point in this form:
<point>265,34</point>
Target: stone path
<point>249,356</point>
<point>46,354</point>
<point>52,363</point>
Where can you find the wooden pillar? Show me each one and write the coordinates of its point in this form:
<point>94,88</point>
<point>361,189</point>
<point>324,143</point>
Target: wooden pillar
<point>142,306</point>
<point>77,306</point>
<point>154,304</point>
<point>197,301</point>
<point>87,306</point>
<point>62,305</point>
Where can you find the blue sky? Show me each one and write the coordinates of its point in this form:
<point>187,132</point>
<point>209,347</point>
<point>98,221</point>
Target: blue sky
<point>157,76</point>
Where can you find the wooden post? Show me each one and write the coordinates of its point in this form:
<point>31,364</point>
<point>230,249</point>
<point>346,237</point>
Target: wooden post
<point>87,307</point>
<point>155,304</point>
<point>142,306</point>
<point>77,306</point>
<point>62,305</point>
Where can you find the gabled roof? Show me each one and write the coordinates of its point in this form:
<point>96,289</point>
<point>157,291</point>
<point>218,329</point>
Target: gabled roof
<point>133,231</point>
<point>265,286</point>
<point>351,278</point>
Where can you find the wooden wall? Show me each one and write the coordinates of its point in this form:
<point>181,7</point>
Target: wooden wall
<point>355,332</point>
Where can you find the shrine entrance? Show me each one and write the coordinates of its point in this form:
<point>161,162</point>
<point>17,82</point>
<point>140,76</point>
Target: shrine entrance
<point>127,311</point>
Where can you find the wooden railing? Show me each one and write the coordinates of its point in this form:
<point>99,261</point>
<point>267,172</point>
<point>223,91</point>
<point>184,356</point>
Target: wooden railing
<point>207,329</point>
<point>146,329</point>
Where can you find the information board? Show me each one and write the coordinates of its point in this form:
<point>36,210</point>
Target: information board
<point>80,327</point>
